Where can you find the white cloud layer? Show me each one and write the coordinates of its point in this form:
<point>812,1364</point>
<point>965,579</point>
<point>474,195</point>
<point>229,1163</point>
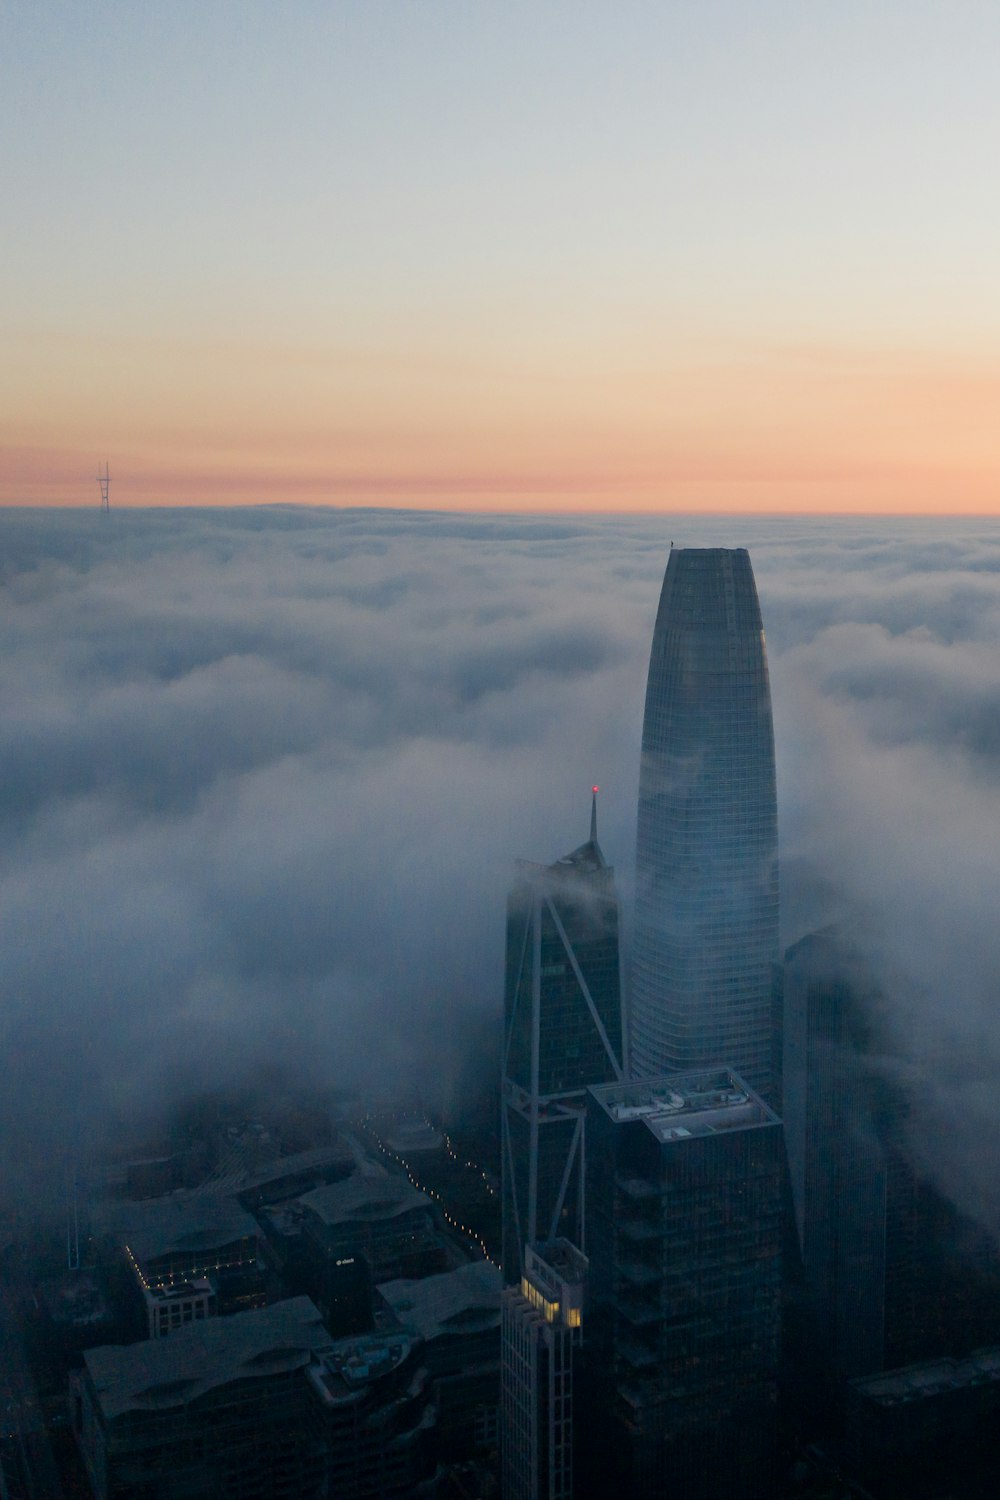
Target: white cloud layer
<point>263,775</point>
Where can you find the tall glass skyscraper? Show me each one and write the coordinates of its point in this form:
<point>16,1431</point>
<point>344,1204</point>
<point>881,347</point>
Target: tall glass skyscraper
<point>562,1032</point>
<point>706,927</point>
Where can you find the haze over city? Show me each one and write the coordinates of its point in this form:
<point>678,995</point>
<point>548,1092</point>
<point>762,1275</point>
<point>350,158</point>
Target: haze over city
<point>415,340</point>
<point>266,773</point>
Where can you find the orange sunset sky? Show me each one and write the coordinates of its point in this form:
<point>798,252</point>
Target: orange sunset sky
<point>502,256</point>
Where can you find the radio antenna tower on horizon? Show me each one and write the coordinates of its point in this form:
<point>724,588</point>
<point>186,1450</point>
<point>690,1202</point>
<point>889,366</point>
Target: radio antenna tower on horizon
<point>104,480</point>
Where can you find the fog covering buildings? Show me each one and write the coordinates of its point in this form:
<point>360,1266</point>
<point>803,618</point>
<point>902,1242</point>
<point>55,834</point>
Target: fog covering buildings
<point>705,945</point>
<point>867,747</point>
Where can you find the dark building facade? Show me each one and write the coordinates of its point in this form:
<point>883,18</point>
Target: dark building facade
<point>853,1186</point>
<point>562,1032</point>
<point>378,1418</point>
<point>685,1224</point>
<point>456,1317</point>
<point>542,1326</point>
<point>221,1408</point>
<point>928,1429</point>
<point>358,1232</point>
<point>706,919</point>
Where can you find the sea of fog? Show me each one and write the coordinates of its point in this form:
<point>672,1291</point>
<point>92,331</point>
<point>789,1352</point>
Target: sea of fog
<point>264,774</point>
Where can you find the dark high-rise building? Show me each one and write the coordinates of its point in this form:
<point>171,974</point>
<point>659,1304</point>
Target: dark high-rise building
<point>542,1324</point>
<point>562,1032</point>
<point>853,1186</point>
<point>685,1224</point>
<point>706,924</point>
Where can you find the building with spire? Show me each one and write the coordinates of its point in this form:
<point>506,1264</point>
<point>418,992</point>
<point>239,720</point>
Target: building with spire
<point>705,950</point>
<point>562,1033</point>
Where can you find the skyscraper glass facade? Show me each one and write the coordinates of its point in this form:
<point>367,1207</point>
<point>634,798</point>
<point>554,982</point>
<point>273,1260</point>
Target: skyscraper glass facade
<point>706,927</point>
<point>562,1032</point>
<point>685,1223</point>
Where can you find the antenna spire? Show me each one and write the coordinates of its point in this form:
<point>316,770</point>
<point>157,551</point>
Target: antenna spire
<point>104,480</point>
<point>593,814</point>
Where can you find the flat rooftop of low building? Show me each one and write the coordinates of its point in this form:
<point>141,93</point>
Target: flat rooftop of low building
<point>677,1106</point>
<point>364,1200</point>
<point>161,1374</point>
<point>352,1363</point>
<point>407,1136</point>
<point>321,1159</point>
<point>462,1301</point>
<point>934,1377</point>
<point>178,1224</point>
<point>200,1286</point>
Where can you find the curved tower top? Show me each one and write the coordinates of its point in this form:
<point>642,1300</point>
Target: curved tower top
<point>706,926</point>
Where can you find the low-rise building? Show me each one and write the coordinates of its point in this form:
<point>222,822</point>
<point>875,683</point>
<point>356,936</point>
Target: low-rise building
<point>221,1408</point>
<point>378,1417</point>
<point>457,1318</point>
<point>365,1230</point>
<point>922,1429</point>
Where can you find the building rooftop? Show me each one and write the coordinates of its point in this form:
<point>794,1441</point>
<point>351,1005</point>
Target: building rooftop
<point>462,1301</point>
<point>160,1374</point>
<point>199,1286</point>
<point>406,1136</point>
<point>364,1200</point>
<point>316,1162</point>
<point>917,1382</point>
<point>561,1259</point>
<point>177,1224</point>
<point>351,1364</point>
<point>707,1101</point>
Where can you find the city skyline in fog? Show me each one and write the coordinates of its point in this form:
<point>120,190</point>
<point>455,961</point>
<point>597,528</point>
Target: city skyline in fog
<point>267,773</point>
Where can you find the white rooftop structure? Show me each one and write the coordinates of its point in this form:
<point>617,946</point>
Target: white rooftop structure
<point>682,1105</point>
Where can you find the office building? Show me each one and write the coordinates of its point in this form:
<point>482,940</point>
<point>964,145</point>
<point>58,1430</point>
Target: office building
<point>456,1317</point>
<point>171,1240</point>
<point>927,1430</point>
<point>853,1186</point>
<point>378,1418</point>
<point>191,1256</point>
<point>221,1408</point>
<point>706,924</point>
<point>685,1225</point>
<point>359,1232</point>
<point>542,1324</point>
<point>169,1308</point>
<point>562,1032</point>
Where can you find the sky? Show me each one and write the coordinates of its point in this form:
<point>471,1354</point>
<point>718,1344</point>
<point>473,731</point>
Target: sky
<point>265,773</point>
<point>502,256</point>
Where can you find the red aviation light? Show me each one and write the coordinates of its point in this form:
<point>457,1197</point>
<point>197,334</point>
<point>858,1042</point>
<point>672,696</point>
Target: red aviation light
<point>595,790</point>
